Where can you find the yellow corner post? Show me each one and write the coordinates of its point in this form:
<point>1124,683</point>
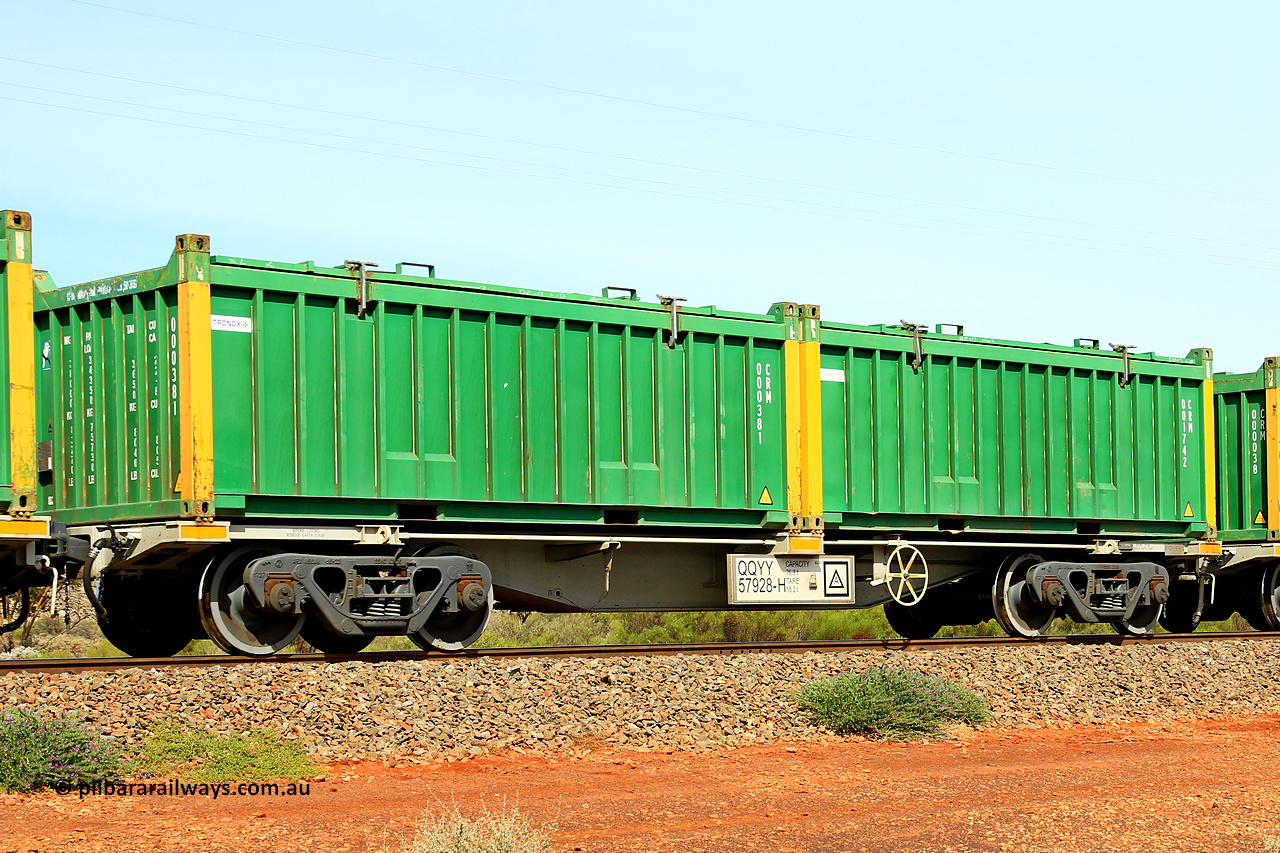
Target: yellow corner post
<point>811,419</point>
<point>22,364</point>
<point>1271,461</point>
<point>1210,449</point>
<point>195,375</point>
<point>794,413</point>
<point>801,359</point>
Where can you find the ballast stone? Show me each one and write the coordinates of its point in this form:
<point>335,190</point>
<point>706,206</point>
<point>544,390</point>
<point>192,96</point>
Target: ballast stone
<point>423,710</point>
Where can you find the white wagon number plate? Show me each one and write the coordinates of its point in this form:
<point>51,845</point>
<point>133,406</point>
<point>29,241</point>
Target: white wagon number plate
<point>756,579</point>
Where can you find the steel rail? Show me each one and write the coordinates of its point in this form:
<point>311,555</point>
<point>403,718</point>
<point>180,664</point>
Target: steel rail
<point>63,665</point>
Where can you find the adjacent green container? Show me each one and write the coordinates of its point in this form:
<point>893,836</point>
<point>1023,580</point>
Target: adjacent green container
<point>1248,453</point>
<point>429,399</point>
<point>995,435</point>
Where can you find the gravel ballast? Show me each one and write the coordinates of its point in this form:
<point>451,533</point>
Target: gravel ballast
<point>450,710</point>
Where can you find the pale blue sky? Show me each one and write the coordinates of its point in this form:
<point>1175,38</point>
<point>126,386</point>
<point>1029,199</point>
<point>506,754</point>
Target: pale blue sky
<point>1032,171</point>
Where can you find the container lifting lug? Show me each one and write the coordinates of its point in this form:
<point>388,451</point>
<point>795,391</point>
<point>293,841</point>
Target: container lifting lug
<point>672,302</point>
<point>1125,373</point>
<point>917,345</point>
<point>361,268</point>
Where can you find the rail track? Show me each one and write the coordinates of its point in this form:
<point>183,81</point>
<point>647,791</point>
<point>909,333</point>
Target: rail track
<point>109,664</point>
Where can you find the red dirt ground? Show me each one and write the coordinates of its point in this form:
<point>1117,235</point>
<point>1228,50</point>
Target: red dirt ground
<point>1188,786</point>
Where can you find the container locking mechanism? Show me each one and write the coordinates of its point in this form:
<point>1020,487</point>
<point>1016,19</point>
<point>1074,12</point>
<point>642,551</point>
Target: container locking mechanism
<point>1126,375</point>
<point>673,303</point>
<point>361,268</point>
<point>917,345</point>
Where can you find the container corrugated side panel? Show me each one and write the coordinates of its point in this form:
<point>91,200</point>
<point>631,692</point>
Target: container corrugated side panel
<point>445,394</point>
<point>108,399</point>
<point>1007,433</point>
<point>1246,510</point>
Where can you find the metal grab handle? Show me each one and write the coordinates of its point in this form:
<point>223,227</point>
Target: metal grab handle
<point>430,268</point>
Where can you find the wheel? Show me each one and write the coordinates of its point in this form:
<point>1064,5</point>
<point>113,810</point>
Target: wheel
<point>1143,621</point>
<point>1016,609</point>
<point>330,643</point>
<point>148,616</point>
<point>449,632</point>
<point>908,575</point>
<point>229,615</point>
<point>1269,599</point>
<point>1256,598</point>
<point>1181,612</point>
<point>915,623</point>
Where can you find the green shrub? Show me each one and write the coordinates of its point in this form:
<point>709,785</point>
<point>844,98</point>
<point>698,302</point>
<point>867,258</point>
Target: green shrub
<point>486,832</point>
<point>59,751</point>
<point>890,702</point>
<point>177,750</point>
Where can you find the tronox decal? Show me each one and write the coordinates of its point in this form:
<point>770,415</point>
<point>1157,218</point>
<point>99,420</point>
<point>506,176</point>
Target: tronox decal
<point>226,323</point>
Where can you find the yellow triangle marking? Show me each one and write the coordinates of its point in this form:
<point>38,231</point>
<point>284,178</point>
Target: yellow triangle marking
<point>1188,513</point>
<point>765,499</point>
<point>1259,518</point>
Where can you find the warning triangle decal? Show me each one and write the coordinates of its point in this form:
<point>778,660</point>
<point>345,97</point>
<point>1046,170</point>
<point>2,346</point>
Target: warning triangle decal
<point>1187,513</point>
<point>1259,518</point>
<point>765,498</point>
<point>835,583</point>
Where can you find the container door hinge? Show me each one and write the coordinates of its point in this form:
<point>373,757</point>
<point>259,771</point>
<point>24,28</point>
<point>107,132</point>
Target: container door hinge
<point>1126,375</point>
<point>672,303</point>
<point>361,269</point>
<point>917,343</point>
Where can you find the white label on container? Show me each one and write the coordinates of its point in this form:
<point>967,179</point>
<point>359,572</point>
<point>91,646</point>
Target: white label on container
<point>224,323</point>
<point>764,579</point>
<point>831,374</point>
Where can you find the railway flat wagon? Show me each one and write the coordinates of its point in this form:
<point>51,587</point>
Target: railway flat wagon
<point>256,450</point>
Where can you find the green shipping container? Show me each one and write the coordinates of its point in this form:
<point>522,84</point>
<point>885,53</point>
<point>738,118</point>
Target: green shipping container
<point>341,392</point>
<point>947,432</point>
<point>1248,454</point>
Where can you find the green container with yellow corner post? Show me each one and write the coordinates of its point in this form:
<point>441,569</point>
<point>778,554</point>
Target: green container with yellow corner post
<point>941,431</point>
<point>1249,454</point>
<point>220,386</point>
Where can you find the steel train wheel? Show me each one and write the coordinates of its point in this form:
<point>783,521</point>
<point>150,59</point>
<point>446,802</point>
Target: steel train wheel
<point>234,623</point>
<point>449,632</point>
<point>1016,608</point>
<point>1181,615</point>
<point>324,640</point>
<point>147,617</point>
<point>1143,621</point>
<point>901,580</point>
<point>914,623</point>
<point>1268,590</point>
